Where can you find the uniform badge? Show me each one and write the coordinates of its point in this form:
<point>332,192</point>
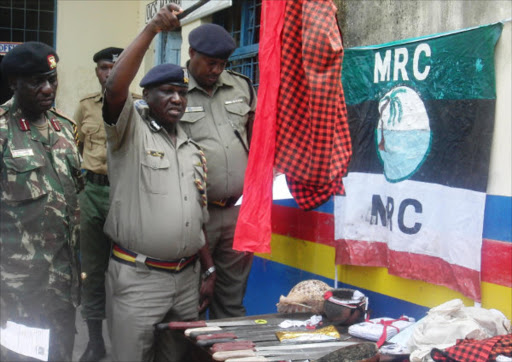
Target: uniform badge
<point>52,63</point>
<point>22,152</point>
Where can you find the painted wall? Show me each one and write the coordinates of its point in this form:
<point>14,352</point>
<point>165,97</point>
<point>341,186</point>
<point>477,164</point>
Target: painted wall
<point>83,28</point>
<point>302,242</point>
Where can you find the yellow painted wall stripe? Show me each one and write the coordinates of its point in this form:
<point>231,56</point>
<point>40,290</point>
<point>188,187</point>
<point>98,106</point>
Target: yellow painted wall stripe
<point>319,259</point>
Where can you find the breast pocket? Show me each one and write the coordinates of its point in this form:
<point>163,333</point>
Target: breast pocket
<point>24,178</point>
<point>195,126</point>
<point>155,172</point>
<point>94,136</point>
<point>238,114</point>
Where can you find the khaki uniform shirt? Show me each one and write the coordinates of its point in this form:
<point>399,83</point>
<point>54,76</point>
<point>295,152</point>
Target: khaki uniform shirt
<point>156,208</point>
<point>39,215</point>
<point>211,121</point>
<point>91,133</point>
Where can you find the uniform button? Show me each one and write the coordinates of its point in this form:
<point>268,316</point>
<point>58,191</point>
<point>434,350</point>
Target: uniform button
<point>227,146</point>
<point>186,198</point>
<point>187,223</point>
<point>182,174</point>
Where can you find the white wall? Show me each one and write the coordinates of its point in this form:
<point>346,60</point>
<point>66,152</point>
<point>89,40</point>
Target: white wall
<point>83,28</point>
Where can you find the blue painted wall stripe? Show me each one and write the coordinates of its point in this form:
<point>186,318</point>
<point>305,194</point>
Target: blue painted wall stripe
<point>497,216</point>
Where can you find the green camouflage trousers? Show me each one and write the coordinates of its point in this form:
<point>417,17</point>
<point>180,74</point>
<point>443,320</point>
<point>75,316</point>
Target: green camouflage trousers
<point>94,249</point>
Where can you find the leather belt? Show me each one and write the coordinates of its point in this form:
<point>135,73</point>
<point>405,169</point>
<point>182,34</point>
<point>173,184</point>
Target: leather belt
<point>128,257</point>
<point>97,179</point>
<point>227,202</point>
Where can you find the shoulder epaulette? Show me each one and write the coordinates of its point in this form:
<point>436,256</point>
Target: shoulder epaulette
<point>232,72</point>
<point>89,96</point>
<point>136,96</point>
<point>62,115</point>
<point>247,79</point>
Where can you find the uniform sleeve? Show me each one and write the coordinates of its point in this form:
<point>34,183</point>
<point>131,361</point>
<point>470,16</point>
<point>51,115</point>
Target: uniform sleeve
<point>122,133</point>
<point>79,118</point>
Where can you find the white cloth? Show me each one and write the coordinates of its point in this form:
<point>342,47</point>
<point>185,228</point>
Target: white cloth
<point>450,321</point>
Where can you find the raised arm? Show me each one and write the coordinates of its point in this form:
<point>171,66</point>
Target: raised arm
<point>126,67</point>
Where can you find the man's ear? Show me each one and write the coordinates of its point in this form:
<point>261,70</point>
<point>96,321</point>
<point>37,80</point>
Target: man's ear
<point>191,52</point>
<point>144,93</point>
<point>12,81</point>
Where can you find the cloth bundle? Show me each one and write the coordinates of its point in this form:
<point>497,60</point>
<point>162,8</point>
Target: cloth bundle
<point>380,329</point>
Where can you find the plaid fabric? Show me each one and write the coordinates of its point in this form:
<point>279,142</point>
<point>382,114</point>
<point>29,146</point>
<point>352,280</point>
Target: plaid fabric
<point>313,146</point>
<point>470,350</point>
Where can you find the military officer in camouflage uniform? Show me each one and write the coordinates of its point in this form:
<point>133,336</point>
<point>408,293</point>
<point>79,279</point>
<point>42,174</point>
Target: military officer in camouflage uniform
<point>157,206</point>
<point>219,116</point>
<point>94,244</point>
<point>39,213</point>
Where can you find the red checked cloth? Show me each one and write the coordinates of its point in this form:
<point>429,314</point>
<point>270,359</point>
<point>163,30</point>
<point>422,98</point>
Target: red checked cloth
<point>313,146</point>
<point>470,350</point>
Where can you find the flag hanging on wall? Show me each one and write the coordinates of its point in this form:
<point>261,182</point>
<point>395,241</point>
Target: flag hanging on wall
<point>421,117</point>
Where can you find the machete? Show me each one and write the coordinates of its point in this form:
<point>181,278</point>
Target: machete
<point>305,351</point>
<point>199,324</point>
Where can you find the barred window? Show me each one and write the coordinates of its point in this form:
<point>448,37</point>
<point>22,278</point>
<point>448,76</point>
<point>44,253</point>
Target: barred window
<point>242,20</point>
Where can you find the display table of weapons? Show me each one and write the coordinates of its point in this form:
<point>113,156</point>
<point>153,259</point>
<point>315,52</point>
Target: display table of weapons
<point>304,329</point>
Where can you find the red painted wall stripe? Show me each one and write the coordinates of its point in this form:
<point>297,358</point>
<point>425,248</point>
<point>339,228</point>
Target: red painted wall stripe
<point>319,227</point>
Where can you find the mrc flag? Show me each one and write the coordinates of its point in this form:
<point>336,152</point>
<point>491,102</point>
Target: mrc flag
<point>421,118</point>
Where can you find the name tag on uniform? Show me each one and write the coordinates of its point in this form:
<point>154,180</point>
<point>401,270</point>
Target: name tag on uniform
<point>234,101</point>
<point>22,153</point>
<point>194,109</point>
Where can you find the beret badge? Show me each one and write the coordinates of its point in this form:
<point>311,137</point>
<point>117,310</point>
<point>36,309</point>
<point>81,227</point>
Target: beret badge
<point>52,63</point>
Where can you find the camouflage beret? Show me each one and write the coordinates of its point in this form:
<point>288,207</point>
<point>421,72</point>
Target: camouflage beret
<point>212,40</point>
<point>165,73</point>
<point>111,54</point>
<point>30,58</point>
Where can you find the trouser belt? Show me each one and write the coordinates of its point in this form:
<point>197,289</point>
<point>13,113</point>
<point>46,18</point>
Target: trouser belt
<point>97,178</point>
<point>128,257</point>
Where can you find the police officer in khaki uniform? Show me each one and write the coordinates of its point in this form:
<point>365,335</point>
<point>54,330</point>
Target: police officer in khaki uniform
<point>39,214</point>
<point>219,117</point>
<point>158,204</point>
<point>94,202</point>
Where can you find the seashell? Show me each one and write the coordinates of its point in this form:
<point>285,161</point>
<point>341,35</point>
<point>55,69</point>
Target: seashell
<point>306,296</point>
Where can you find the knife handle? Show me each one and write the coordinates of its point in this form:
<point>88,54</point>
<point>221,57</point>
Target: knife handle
<point>180,325</point>
<point>224,355</point>
<point>211,342</point>
<point>215,336</point>
<point>194,332</point>
<point>232,346</point>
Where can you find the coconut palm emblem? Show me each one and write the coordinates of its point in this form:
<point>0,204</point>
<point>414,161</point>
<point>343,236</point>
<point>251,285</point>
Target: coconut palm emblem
<point>403,134</point>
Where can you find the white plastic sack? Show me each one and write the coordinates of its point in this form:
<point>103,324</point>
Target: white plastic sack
<point>450,321</point>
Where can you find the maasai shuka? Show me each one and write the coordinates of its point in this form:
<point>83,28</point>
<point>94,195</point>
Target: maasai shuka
<point>313,146</point>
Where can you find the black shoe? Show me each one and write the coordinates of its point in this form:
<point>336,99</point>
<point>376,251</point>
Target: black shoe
<point>94,352</point>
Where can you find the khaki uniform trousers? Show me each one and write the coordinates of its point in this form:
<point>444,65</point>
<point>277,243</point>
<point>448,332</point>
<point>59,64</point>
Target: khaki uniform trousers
<point>233,267</point>
<point>137,299</point>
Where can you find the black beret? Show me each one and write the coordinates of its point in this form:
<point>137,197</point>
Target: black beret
<point>212,40</point>
<point>111,54</point>
<point>30,58</point>
<point>165,73</point>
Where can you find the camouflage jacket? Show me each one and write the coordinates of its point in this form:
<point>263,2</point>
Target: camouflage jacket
<point>39,230</point>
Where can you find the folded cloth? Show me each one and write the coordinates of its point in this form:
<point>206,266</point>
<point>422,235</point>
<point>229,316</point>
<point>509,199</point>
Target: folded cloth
<point>475,350</point>
<point>380,329</point>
